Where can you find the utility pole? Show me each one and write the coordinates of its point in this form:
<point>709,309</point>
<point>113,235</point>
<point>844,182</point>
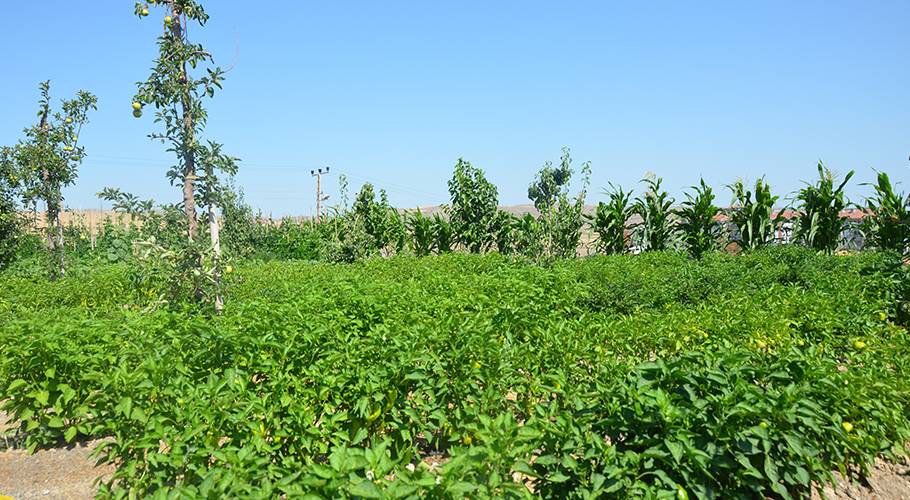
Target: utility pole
<point>319,198</point>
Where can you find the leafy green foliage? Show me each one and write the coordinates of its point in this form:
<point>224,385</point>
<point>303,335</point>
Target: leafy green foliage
<point>379,220</point>
<point>528,236</point>
<point>609,221</point>
<point>473,208</point>
<point>11,223</point>
<point>421,229</point>
<point>656,230</point>
<point>443,233</point>
<point>820,221</point>
<point>550,183</point>
<point>698,221</point>
<point>242,232</point>
<point>887,224</point>
<point>561,218</point>
<point>753,218</point>
<point>47,161</point>
<point>178,93</point>
<point>567,220</point>
<point>473,376</point>
<point>505,227</point>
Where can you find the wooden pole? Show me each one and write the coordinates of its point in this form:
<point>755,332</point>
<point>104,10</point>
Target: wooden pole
<point>319,198</point>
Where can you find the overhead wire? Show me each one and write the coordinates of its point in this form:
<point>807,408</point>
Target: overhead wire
<point>105,160</point>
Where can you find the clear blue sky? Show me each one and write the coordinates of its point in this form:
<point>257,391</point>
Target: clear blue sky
<point>394,92</point>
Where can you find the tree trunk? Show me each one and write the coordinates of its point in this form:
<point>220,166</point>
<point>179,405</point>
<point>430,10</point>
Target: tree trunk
<point>49,230</point>
<point>54,229</point>
<point>60,248</point>
<point>188,139</point>
<point>189,173</point>
<point>216,246</point>
<point>55,243</point>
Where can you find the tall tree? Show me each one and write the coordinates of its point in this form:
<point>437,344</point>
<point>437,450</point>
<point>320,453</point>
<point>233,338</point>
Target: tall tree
<point>550,182</point>
<point>11,223</point>
<point>177,95</point>
<point>184,74</point>
<point>473,208</point>
<point>561,217</point>
<point>47,161</point>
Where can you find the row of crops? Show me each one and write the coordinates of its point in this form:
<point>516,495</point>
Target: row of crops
<point>482,376</point>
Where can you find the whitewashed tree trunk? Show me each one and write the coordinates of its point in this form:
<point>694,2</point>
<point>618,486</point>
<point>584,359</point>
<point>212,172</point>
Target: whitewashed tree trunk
<point>216,246</point>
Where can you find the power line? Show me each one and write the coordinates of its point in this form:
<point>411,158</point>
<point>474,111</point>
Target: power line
<point>244,165</point>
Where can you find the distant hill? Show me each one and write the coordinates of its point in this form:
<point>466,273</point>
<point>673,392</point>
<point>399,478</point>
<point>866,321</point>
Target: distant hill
<point>518,210</point>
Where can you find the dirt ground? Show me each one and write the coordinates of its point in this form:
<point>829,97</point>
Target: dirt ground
<point>54,473</point>
<point>888,481</point>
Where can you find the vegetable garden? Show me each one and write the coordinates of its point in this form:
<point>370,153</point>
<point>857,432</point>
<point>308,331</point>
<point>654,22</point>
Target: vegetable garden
<point>377,353</point>
<point>654,376</point>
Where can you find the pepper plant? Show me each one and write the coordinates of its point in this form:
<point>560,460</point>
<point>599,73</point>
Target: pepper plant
<point>47,161</point>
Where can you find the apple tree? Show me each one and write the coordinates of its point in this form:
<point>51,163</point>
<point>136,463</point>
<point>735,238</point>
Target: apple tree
<point>11,223</point>
<point>47,160</point>
<point>183,76</point>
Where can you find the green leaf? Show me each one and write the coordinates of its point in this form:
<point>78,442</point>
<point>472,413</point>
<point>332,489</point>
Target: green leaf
<point>771,470</point>
<point>557,477</point>
<point>676,449</point>
<point>70,434</point>
<point>15,384</point>
<point>41,397</point>
<point>461,489</point>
